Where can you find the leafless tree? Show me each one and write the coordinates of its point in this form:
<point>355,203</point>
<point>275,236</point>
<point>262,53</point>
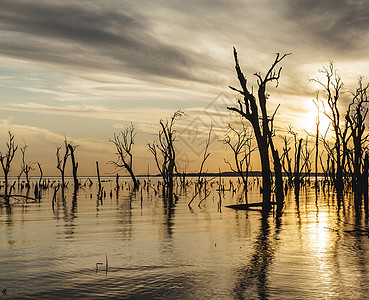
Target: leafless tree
<point>6,159</point>
<point>295,161</point>
<point>204,158</point>
<point>72,150</point>
<point>26,167</point>
<point>164,152</point>
<point>41,175</point>
<point>262,124</point>
<point>318,107</point>
<point>306,154</point>
<point>355,117</point>
<point>240,142</point>
<point>62,161</point>
<point>123,143</point>
<point>328,155</point>
<point>332,86</point>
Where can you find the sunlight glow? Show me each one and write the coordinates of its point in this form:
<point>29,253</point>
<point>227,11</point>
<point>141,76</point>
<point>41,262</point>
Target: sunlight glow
<point>322,237</point>
<point>321,240</point>
<point>308,122</point>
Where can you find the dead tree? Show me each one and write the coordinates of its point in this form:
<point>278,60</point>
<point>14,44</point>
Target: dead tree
<point>317,104</point>
<point>287,160</point>
<point>332,87</point>
<point>329,167</point>
<point>6,159</point>
<point>240,142</point>
<point>41,175</point>
<point>26,167</point>
<point>262,124</point>
<point>306,154</point>
<point>100,192</point>
<point>164,153</point>
<point>355,117</point>
<point>365,181</point>
<point>123,143</point>
<point>294,163</point>
<point>74,165</point>
<point>61,162</point>
<point>204,158</point>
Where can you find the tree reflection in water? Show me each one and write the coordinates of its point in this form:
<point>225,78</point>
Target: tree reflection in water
<point>254,276</point>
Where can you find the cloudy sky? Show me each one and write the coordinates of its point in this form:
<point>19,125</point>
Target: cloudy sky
<point>85,69</point>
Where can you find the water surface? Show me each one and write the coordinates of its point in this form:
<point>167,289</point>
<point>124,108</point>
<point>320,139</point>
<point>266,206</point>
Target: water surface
<point>316,249</point>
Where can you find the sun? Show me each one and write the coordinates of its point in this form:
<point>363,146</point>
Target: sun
<point>309,120</point>
<point>324,123</point>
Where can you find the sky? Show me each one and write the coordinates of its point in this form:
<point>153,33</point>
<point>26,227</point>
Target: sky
<point>83,70</point>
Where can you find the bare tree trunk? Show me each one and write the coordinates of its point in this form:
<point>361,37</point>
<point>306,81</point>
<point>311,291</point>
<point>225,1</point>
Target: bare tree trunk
<point>41,174</point>
<point>265,167</point>
<point>61,162</point>
<point>74,167</point>
<point>6,186</point>
<point>117,182</point>
<point>5,160</point>
<point>297,180</point>
<point>262,124</point>
<point>134,179</point>
<point>63,179</point>
<point>278,175</point>
<point>98,178</point>
<point>317,142</point>
<point>365,180</point>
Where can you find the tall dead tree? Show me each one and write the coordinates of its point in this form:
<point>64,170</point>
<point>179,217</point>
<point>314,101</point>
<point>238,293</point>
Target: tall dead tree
<point>123,143</point>
<point>332,86</point>
<point>5,160</point>
<point>26,167</point>
<point>355,117</point>
<point>164,152</point>
<point>262,123</point>
<point>206,155</point>
<point>328,168</point>
<point>317,123</point>
<point>62,161</point>
<point>40,184</point>
<point>296,160</point>
<point>240,142</point>
<point>74,165</point>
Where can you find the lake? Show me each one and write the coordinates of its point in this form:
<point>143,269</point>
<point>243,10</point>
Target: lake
<point>133,245</point>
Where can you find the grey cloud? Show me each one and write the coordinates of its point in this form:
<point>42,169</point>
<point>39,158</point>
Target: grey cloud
<point>77,34</point>
<point>183,42</point>
<point>341,25</point>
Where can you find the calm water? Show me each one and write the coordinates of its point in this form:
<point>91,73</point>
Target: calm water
<point>313,251</point>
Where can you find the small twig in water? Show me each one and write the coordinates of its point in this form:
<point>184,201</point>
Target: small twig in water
<point>189,203</point>
<point>106,264</point>
<point>206,195</point>
<point>97,266</point>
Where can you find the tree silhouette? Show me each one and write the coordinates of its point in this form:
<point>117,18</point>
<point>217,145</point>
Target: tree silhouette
<point>26,167</point>
<point>332,87</point>
<point>164,152</point>
<point>240,142</point>
<point>61,162</point>
<point>355,117</point>
<point>123,143</point>
<point>5,160</point>
<point>74,165</point>
<point>261,123</point>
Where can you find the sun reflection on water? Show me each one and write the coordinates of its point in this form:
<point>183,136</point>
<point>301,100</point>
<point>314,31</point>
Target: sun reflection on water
<point>321,241</point>
<point>322,234</point>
